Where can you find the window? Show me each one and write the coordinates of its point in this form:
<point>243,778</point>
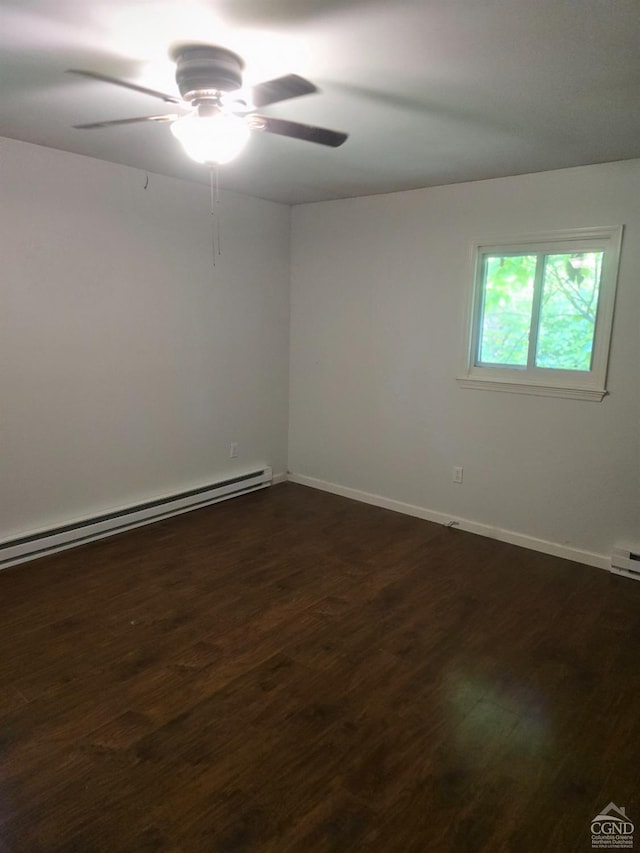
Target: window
<point>541,313</point>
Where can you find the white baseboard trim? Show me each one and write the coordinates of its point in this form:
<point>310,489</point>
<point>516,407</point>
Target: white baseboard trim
<point>555,549</point>
<point>282,477</point>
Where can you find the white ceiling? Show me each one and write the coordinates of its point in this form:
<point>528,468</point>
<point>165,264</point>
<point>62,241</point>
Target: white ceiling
<point>430,91</point>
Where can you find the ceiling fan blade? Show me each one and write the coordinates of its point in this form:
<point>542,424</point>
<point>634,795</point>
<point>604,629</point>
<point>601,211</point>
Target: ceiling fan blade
<point>281,89</point>
<point>306,132</point>
<point>94,75</point>
<point>94,124</point>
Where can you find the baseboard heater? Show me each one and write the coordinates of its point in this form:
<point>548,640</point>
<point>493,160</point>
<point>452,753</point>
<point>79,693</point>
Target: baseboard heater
<point>625,560</point>
<point>46,542</point>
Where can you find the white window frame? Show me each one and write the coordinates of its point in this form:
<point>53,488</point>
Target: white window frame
<point>545,381</point>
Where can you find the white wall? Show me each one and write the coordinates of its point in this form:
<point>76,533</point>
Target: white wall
<point>378,295</point>
<point>127,362</point>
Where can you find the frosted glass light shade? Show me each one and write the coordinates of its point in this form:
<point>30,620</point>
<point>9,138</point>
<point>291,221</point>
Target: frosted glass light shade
<point>211,139</point>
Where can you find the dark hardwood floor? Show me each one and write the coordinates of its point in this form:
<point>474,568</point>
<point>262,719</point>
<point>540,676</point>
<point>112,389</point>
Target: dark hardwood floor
<point>293,671</point>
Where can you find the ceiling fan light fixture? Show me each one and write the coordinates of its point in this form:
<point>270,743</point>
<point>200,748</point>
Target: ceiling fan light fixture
<point>212,140</point>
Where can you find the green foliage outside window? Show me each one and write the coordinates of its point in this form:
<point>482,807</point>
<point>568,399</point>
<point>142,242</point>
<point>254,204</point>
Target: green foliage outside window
<point>550,298</point>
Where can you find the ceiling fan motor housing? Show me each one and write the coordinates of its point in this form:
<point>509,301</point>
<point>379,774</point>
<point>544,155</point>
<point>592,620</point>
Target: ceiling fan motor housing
<point>203,70</point>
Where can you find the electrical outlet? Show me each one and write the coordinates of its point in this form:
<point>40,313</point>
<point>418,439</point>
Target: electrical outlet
<point>233,450</point>
<point>457,474</point>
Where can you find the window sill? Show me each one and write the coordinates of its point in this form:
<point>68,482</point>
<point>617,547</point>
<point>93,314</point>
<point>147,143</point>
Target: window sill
<point>593,394</point>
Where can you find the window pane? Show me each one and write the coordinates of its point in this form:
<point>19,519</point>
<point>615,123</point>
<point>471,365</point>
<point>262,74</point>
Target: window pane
<point>507,297</point>
<point>568,310</point>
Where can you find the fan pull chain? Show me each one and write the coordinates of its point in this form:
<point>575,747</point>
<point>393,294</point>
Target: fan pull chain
<point>215,211</point>
<point>213,214</point>
<point>218,206</point>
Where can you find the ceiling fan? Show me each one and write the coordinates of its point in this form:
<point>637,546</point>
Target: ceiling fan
<point>219,114</point>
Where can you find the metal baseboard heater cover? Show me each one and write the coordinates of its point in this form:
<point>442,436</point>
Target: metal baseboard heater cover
<point>44,542</point>
<point>625,560</point>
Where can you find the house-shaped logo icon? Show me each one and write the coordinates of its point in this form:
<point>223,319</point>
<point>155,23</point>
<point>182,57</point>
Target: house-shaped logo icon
<point>612,828</point>
<point>612,812</point>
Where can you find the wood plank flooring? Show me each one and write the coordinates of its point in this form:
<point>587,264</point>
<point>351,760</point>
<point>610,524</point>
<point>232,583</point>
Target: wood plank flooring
<point>294,671</point>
